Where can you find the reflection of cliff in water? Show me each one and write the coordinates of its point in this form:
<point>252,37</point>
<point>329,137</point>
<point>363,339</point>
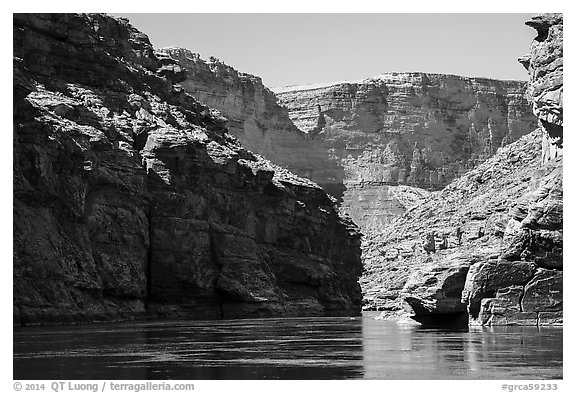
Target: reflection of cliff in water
<point>396,351</point>
<point>285,348</point>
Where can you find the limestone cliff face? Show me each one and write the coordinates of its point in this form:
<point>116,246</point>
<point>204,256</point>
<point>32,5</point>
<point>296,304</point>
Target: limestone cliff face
<point>460,225</point>
<point>360,141</point>
<point>534,232</point>
<point>255,117</point>
<point>545,64</point>
<point>414,129</point>
<point>132,199</point>
<point>490,244</point>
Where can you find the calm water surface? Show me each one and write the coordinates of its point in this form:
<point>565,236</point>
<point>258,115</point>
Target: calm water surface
<point>288,348</point>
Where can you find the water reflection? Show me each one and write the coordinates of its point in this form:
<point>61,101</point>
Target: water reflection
<point>294,348</point>
<point>395,351</point>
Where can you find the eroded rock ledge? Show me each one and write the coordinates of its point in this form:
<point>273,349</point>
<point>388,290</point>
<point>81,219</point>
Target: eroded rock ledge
<point>489,245</point>
<point>131,199</point>
<point>413,129</point>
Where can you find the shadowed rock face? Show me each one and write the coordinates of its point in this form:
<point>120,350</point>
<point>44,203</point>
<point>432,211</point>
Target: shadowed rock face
<point>132,199</point>
<point>504,218</point>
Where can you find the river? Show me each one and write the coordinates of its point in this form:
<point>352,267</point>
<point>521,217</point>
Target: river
<point>285,348</point>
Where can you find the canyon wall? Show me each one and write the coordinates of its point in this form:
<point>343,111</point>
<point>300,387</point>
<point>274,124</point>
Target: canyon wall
<point>412,129</point>
<point>488,248</point>
<point>131,199</point>
<point>255,117</point>
<point>379,145</point>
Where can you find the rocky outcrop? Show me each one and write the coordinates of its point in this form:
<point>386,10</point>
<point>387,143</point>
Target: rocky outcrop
<point>454,229</point>
<point>414,129</point>
<point>131,199</point>
<point>434,289</point>
<point>501,223</point>
<point>545,64</point>
<point>534,232</point>
<point>536,302</point>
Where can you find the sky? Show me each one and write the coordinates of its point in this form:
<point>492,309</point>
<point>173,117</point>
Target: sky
<point>293,49</point>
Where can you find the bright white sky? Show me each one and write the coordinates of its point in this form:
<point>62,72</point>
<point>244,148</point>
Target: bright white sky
<point>288,49</point>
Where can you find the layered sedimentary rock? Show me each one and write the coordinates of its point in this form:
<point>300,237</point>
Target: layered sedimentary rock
<point>453,229</point>
<point>545,64</point>
<point>132,199</point>
<point>360,141</point>
<point>534,232</point>
<point>493,237</point>
<point>255,117</point>
<point>413,129</point>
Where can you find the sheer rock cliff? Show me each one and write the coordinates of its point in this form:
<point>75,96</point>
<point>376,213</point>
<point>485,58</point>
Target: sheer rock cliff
<point>379,145</point>
<point>256,118</point>
<point>412,129</point>
<point>535,227</point>
<point>143,186</point>
<point>489,246</point>
<point>132,199</point>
